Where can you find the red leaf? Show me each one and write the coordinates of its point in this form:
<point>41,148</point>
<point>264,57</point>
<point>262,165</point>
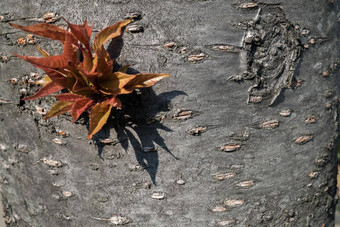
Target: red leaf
<point>58,77</point>
<point>79,106</point>
<point>45,30</point>
<point>59,108</point>
<point>82,33</point>
<point>48,62</point>
<point>63,77</point>
<point>52,74</point>
<point>48,89</point>
<point>54,62</point>
<point>68,52</point>
<point>98,117</point>
<point>69,97</point>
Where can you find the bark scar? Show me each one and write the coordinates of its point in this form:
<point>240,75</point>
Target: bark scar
<point>271,52</point>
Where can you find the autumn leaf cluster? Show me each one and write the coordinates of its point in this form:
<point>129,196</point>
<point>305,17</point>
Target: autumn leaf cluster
<point>86,73</point>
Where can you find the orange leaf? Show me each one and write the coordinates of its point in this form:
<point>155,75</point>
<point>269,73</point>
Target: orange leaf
<point>81,32</point>
<point>48,62</point>
<point>54,62</point>
<point>114,82</point>
<point>75,80</point>
<point>86,91</point>
<point>59,108</point>
<point>87,64</point>
<point>43,52</point>
<point>98,117</point>
<point>45,30</point>
<point>48,89</point>
<point>68,52</point>
<point>108,33</point>
<point>144,80</point>
<point>69,97</point>
<point>59,77</point>
<point>103,62</point>
<point>52,73</point>
<point>79,75</point>
<point>45,80</point>
<point>79,106</point>
<point>78,85</point>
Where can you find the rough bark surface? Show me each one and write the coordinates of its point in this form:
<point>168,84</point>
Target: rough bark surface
<point>220,160</point>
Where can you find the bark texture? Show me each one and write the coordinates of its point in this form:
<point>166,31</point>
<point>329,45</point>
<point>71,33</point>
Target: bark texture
<point>245,128</point>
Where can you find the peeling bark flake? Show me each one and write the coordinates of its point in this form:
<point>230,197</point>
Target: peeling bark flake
<point>40,110</point>
<point>63,133</point>
<point>227,48</point>
<point>116,220</point>
<point>303,139</point>
<point>67,194</point>
<point>135,16</point>
<point>311,120</point>
<point>59,141</point>
<point>158,195</point>
<point>170,45</point>
<point>135,28</point>
<point>49,17</point>
<point>3,58</point>
<point>245,184</point>
<point>31,39</point>
<point>234,202</point>
<point>52,163</point>
<point>197,57</point>
<point>248,5</point>
<point>182,114</point>
<point>180,182</point>
<point>223,176</point>
<point>226,223</point>
<point>313,175</point>
<point>230,147</point>
<point>13,81</point>
<point>219,209</point>
<point>270,124</point>
<point>21,41</point>
<point>197,131</point>
<point>22,148</point>
<point>285,113</point>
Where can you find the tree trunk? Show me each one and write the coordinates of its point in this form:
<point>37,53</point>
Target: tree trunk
<point>245,129</point>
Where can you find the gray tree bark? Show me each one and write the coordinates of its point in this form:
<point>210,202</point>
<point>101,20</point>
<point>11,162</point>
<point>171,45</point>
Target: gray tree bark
<point>245,129</point>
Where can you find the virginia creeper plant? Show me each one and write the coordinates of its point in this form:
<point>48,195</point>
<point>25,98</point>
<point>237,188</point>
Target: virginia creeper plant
<point>87,73</point>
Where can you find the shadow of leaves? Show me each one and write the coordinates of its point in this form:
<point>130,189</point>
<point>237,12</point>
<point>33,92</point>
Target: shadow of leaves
<point>133,127</point>
<point>132,122</point>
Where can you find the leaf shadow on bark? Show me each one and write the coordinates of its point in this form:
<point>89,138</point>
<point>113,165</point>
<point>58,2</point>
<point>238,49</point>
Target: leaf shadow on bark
<point>132,123</point>
<point>115,47</point>
<point>133,127</point>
